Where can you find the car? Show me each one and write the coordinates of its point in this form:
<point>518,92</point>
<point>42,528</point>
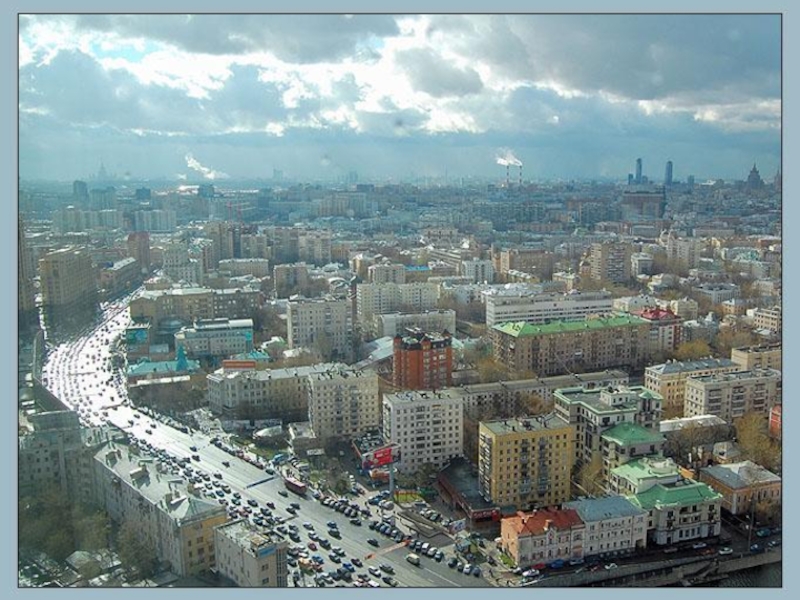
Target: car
<point>670,550</point>
<point>576,561</point>
<point>271,505</point>
<point>374,571</point>
<point>349,567</point>
<point>386,568</point>
<point>334,533</point>
<point>312,546</point>
<point>774,543</point>
<point>699,545</point>
<point>338,550</point>
<point>283,493</point>
<point>610,566</point>
<point>295,505</point>
<point>291,510</point>
<point>252,503</point>
<point>373,542</point>
<point>332,525</point>
<point>356,521</point>
<point>390,581</point>
<point>226,463</point>
<point>357,562</point>
<point>439,556</point>
<point>193,448</point>
<point>756,548</point>
<point>334,557</point>
<point>476,571</point>
<point>764,532</point>
<point>725,551</point>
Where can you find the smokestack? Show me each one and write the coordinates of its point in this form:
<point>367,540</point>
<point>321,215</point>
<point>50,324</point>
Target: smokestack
<point>508,176</point>
<point>520,175</point>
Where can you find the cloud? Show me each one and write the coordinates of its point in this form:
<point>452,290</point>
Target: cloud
<point>430,73</point>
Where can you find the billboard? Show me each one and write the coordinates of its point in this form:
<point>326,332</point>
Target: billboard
<point>381,457</point>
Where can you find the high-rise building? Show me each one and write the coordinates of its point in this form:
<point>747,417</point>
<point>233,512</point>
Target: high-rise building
<point>638,178</point>
<point>731,395</point>
<point>139,249</point>
<point>387,273</point>
<point>423,361</point>
<point>668,173</point>
<point>26,294</point>
<point>526,462</point>
<point>611,261</point>
<point>68,280</point>
<point>343,404</point>
<point>321,324</point>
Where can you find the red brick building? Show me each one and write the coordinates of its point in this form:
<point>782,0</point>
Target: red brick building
<point>665,329</point>
<point>775,422</point>
<point>423,361</point>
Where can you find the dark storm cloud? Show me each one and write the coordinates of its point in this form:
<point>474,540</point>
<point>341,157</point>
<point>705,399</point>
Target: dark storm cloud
<point>430,73</point>
<point>293,38</point>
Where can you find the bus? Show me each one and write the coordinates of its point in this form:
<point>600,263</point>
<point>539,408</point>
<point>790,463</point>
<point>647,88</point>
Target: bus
<point>295,485</point>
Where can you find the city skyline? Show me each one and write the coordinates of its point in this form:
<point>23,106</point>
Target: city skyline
<point>225,97</point>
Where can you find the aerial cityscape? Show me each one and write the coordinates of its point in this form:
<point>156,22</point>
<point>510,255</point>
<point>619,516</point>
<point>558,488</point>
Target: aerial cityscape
<point>374,300</point>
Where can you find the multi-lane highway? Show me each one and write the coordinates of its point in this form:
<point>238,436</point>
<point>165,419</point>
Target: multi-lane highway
<point>88,377</point>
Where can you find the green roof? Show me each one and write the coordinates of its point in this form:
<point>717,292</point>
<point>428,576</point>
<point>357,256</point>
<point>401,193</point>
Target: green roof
<point>626,434</point>
<point>646,468</point>
<point>524,329</point>
<point>684,493</point>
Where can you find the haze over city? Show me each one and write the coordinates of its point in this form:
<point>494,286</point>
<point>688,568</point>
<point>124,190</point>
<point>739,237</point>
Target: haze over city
<point>392,97</point>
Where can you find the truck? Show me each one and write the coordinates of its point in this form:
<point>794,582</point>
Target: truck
<point>295,485</point>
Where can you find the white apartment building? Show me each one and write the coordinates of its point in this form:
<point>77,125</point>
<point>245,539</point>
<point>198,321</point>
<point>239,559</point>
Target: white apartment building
<point>612,525</point>
<point>395,323</point>
<point>518,304</point>
<point>325,322</point>
<point>343,403</point>
<point>271,393</point>
<point>633,304</point>
<point>669,379</point>
<point>730,395</point>
<point>478,270</point>
<point>387,273</point>
<point>167,517</point>
<point>428,426</point>
<point>216,337</point>
<point>250,557</point>
<point>375,299</point>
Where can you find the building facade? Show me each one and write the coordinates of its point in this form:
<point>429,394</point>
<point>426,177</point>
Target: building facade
<point>543,536</point>
<point>610,261</point>
<point>613,526</point>
<point>422,361</point>
<point>428,426</point>
<point>392,324</point>
<point>526,462</point>
<point>249,557</point>
<point>731,395</point>
<point>669,379</point>
<point>518,304</point>
<point>568,346</point>
<point>343,403</point>
<point>765,356</point>
<point>68,280</point>
<point>376,299</point>
<point>743,485</point>
<point>321,323</point>
<point>216,338</point>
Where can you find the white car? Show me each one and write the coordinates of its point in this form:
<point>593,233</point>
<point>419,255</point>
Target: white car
<point>610,566</point>
<point>725,551</point>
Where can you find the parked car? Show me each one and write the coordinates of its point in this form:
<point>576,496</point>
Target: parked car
<point>725,551</point>
<point>611,566</point>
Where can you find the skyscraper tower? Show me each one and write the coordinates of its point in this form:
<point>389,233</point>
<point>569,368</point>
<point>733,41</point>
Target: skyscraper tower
<point>638,171</point>
<point>668,173</point>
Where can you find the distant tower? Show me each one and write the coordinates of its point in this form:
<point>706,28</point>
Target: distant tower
<point>630,178</point>
<point>754,181</point>
<point>668,173</point>
<point>778,181</point>
<point>638,171</point>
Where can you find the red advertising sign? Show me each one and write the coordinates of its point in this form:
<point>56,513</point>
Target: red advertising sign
<point>381,457</point>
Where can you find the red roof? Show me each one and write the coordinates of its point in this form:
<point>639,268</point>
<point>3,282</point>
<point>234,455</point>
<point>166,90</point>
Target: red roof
<point>539,521</point>
<point>657,314</point>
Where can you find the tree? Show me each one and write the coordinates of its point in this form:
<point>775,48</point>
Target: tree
<point>136,554</point>
<point>489,370</point>
<point>729,339</point>
<point>755,443</point>
<point>694,350</point>
<point>590,476</point>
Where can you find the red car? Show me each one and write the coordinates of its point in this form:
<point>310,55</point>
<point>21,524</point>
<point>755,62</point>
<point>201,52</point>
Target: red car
<point>312,546</point>
<point>539,566</point>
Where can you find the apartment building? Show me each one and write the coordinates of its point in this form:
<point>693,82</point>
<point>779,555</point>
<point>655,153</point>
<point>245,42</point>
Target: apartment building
<point>526,462</point>
<point>428,426</point>
<point>179,266</point>
<point>565,346</point>
<point>680,512</point>
<point>139,248</point>
<point>612,526</point>
<point>270,393</point>
<point>520,304</point>
<point>640,474</point>
<point>543,536</point>
<point>422,361</point>
<point>216,338</point>
<point>610,261</point>
<point>392,324</point>
<point>67,280</point>
<point>387,273</point>
<point>669,379</point>
<point>58,451</point>
<point>770,319</point>
<point>478,270</point>
<point>343,403</point>
<point>289,277</point>
<point>192,303</point>
<point>324,324</point>
<point>536,261</point>
<point>731,395</point>
<point>250,557</point>
<point>765,356</point>
<point>119,277</point>
<point>376,299</point>
<point>717,293</point>
<point>257,267</point>
<point>665,330</point>
<point>743,485</point>
<point>594,412</point>
<point>168,518</point>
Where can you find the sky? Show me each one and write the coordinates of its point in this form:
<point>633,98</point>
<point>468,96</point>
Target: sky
<point>392,97</point>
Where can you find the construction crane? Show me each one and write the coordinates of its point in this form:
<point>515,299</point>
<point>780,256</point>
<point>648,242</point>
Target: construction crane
<point>387,549</point>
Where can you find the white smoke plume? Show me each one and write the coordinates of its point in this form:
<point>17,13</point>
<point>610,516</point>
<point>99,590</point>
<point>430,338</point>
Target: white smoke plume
<point>193,163</point>
<point>506,157</point>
